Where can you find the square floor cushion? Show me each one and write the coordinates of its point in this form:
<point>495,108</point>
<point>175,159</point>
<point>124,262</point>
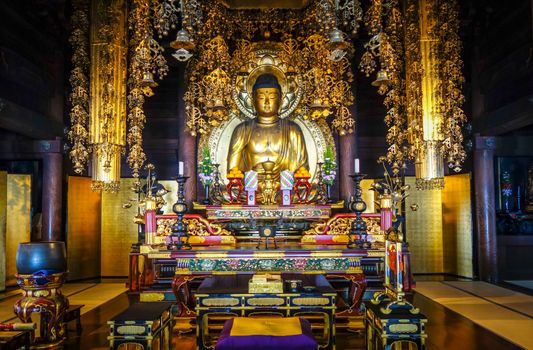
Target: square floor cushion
<point>266,333</point>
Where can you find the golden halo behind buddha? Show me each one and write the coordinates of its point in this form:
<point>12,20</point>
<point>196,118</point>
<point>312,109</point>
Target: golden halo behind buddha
<point>266,59</point>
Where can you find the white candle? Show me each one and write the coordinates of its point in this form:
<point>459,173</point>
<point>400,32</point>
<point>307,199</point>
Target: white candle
<point>356,165</point>
<point>180,168</point>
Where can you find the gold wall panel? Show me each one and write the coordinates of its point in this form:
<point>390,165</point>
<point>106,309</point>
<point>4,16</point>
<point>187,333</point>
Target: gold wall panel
<point>119,231</point>
<point>424,229</point>
<point>3,207</point>
<point>171,197</point>
<point>368,196</point>
<point>457,225</point>
<point>18,220</point>
<point>83,229</point>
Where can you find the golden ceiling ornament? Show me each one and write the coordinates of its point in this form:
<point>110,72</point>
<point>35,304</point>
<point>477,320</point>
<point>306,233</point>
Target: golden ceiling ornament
<point>434,83</point>
<point>78,133</point>
<point>449,88</point>
<point>385,50</point>
<point>309,80</point>
<point>165,16</point>
<point>327,84</point>
<point>208,97</point>
<point>392,62</point>
<point>202,21</point>
<point>205,19</point>
<point>107,98</point>
<point>140,82</point>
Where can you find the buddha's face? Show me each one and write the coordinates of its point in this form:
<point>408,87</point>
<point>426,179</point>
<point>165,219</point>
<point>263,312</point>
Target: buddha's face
<point>266,101</point>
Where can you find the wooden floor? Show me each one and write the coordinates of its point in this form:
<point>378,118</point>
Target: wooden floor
<point>446,330</point>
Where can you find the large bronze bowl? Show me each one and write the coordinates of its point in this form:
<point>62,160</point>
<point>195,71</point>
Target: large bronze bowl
<point>49,257</point>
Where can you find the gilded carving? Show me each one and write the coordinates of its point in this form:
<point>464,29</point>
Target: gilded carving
<point>152,297</point>
<point>342,225</point>
<point>310,301</point>
<point>220,301</point>
<point>131,329</point>
<point>195,227</point>
<point>266,301</point>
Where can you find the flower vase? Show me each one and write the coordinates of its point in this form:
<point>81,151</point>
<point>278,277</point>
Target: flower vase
<point>206,194</point>
<point>328,193</point>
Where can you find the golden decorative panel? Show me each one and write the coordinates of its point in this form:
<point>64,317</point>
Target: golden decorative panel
<point>171,197</point>
<point>311,301</point>
<point>368,196</point>
<point>220,301</point>
<point>424,229</point>
<point>457,225</point>
<point>3,206</point>
<point>152,297</point>
<point>266,301</point>
<point>119,231</point>
<point>18,220</point>
<point>83,228</point>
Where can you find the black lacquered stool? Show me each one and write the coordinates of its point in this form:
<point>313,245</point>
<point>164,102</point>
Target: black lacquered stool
<point>148,325</point>
<point>386,327</point>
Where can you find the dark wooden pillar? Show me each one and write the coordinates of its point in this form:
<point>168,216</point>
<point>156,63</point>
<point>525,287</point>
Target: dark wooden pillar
<point>347,152</point>
<point>484,192</point>
<point>186,145</point>
<point>52,193</point>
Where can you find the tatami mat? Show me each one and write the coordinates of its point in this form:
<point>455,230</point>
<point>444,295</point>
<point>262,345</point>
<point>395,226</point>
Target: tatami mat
<point>522,283</point>
<point>97,295</point>
<point>516,301</point>
<point>501,311</point>
<point>89,294</point>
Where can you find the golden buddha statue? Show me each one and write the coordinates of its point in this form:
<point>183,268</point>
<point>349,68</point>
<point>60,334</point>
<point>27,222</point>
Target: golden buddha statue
<point>267,138</point>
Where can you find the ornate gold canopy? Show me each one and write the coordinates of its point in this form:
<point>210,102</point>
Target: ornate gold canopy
<point>229,42</point>
<point>266,57</point>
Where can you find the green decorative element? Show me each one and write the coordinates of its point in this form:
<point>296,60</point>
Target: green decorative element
<point>206,168</point>
<point>329,167</point>
<point>296,264</point>
<point>507,185</point>
<point>507,190</point>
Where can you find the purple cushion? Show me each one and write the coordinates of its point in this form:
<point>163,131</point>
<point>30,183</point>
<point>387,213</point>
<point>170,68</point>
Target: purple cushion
<point>304,341</point>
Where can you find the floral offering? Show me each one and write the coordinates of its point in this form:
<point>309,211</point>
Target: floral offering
<point>329,167</point>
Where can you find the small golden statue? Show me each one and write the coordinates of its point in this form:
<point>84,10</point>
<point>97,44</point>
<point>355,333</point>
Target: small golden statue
<point>268,185</point>
<point>267,138</point>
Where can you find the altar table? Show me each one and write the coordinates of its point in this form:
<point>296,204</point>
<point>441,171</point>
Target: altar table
<point>229,296</point>
<point>184,269</point>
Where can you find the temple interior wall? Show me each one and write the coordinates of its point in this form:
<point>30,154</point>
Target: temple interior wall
<point>3,218</point>
<point>439,232</point>
<point>83,230</point>
<point>18,214</point>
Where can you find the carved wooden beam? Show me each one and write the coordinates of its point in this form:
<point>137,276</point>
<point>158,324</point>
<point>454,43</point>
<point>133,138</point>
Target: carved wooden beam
<point>23,121</point>
<point>512,116</point>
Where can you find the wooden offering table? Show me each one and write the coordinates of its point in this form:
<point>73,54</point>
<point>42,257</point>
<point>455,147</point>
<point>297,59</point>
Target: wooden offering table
<point>229,296</point>
<point>183,269</point>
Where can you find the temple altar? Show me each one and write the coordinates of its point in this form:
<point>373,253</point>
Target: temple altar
<point>270,185</point>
